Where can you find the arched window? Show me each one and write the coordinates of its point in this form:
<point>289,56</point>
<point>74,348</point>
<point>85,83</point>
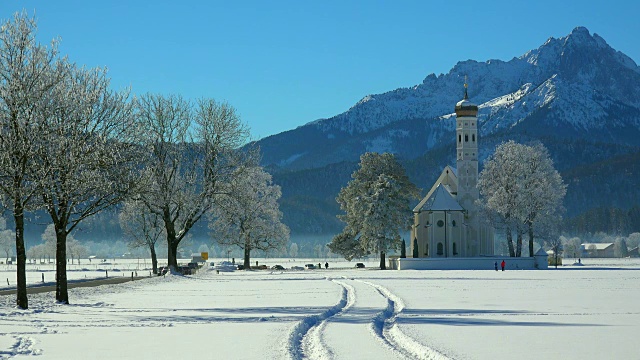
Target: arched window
<point>466,138</point>
<point>459,138</point>
<point>453,223</point>
<point>473,137</point>
<point>455,249</point>
<point>440,249</point>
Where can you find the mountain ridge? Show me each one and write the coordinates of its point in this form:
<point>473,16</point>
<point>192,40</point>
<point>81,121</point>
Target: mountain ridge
<point>575,94</point>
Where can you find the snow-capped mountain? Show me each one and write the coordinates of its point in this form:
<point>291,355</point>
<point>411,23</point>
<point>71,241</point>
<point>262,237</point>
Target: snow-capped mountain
<point>575,87</point>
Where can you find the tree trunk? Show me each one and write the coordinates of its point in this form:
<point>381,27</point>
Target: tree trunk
<point>512,253</point>
<point>62,294</point>
<point>172,257</point>
<point>172,244</point>
<point>247,257</point>
<point>530,239</point>
<point>154,258</point>
<point>382,262</point>
<point>21,257</point>
<point>519,244</point>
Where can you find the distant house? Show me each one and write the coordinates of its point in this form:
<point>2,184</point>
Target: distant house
<point>634,252</point>
<point>597,250</point>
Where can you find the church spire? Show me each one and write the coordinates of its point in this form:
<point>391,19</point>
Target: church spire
<point>465,107</point>
<point>466,96</point>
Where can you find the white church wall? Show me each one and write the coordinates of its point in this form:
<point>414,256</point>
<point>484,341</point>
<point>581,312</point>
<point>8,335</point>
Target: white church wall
<point>471,263</point>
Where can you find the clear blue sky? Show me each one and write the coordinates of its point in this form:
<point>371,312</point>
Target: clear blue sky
<point>285,63</point>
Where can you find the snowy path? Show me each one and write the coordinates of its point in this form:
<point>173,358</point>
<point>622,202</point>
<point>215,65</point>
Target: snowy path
<point>367,312</point>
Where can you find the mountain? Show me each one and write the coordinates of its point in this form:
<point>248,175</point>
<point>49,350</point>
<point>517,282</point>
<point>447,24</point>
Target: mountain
<point>575,94</point>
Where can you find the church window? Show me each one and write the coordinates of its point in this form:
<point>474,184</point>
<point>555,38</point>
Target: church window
<point>473,137</point>
<point>440,223</point>
<point>440,249</point>
<point>466,138</point>
<point>455,249</point>
<point>459,138</point>
<point>472,124</point>
<point>453,223</point>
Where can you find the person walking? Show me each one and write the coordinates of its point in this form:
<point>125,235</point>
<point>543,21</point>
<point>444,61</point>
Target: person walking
<point>326,265</point>
<point>495,265</point>
<point>503,264</point>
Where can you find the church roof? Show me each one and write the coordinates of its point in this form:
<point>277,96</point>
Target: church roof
<point>440,200</point>
<point>465,107</point>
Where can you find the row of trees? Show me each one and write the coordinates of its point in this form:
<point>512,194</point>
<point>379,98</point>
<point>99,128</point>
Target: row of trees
<point>71,146</point>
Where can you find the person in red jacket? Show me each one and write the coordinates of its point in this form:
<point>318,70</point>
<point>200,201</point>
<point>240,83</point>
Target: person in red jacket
<point>502,264</point>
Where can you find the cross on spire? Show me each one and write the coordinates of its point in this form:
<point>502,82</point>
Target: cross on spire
<point>466,97</point>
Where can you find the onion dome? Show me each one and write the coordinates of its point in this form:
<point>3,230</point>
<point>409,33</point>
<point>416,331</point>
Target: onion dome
<point>465,107</point>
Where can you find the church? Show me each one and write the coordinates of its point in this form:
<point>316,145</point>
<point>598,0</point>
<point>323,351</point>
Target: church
<point>447,222</point>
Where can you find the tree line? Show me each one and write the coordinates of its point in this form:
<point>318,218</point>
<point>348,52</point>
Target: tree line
<point>73,147</point>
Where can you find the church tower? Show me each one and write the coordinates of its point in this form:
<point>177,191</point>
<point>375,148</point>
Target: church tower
<point>447,223</point>
<point>467,151</point>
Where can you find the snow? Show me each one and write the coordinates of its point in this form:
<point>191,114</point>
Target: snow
<point>340,313</point>
<point>291,159</point>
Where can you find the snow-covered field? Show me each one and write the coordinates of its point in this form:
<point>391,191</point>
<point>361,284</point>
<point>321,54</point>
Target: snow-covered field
<point>588,312</point>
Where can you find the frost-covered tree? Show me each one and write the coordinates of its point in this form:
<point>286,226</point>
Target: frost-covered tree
<point>249,216</point>
<point>142,229</point>
<point>7,240</point>
<point>522,192</point>
<point>620,248</point>
<point>571,246</point>
<point>192,157</point>
<point>75,249</point>
<point>89,155</point>
<point>293,250</point>
<point>27,75</point>
<point>543,192</point>
<point>633,240</point>
<point>376,205</point>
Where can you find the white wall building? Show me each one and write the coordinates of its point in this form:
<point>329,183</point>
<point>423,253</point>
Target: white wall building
<point>446,221</point>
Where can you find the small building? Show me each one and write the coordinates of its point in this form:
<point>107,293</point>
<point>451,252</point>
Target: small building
<point>597,250</point>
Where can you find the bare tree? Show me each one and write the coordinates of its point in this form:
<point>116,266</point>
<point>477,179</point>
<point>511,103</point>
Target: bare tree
<point>555,244</point>
<point>192,155</point>
<point>27,75</point>
<point>142,228</point>
<point>249,216</point>
<point>88,157</point>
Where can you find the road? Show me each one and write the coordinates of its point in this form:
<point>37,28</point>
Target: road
<point>75,284</point>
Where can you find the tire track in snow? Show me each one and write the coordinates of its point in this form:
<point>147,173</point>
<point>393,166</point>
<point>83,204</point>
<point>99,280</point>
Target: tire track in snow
<point>385,327</point>
<point>306,336</point>
<point>313,344</point>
